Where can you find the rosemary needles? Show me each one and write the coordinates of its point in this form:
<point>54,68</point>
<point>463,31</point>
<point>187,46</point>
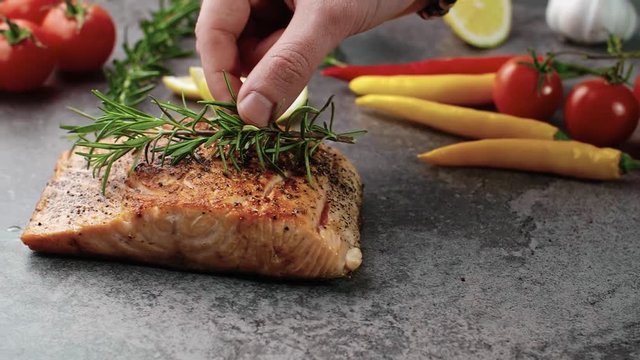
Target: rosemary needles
<point>132,78</point>
<point>179,133</point>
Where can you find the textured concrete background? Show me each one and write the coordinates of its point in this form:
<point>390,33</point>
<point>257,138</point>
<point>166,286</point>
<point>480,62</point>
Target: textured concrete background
<point>458,264</point>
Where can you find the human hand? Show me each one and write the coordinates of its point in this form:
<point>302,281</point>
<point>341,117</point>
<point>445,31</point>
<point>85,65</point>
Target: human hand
<point>278,44</point>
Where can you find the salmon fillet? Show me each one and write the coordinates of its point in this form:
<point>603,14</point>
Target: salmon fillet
<point>194,216</point>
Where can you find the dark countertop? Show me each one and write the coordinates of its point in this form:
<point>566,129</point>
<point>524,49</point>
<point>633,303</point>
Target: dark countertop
<point>457,263</point>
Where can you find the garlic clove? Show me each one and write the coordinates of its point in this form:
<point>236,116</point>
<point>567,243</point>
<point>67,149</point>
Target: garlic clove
<point>621,20</point>
<point>596,26</point>
<point>591,21</point>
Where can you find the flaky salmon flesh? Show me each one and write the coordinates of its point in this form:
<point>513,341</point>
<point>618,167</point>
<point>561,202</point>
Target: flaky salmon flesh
<point>196,216</point>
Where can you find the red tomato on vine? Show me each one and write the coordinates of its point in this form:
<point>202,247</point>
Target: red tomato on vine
<point>83,35</point>
<point>25,59</point>
<point>32,10</point>
<point>636,88</point>
<point>601,113</point>
<point>528,87</point>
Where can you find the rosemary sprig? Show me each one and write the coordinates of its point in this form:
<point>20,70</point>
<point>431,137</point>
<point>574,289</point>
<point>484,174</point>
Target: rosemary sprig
<point>179,133</point>
<point>131,79</point>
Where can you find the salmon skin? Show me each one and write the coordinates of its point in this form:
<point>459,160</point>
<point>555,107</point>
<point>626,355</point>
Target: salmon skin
<point>196,216</point>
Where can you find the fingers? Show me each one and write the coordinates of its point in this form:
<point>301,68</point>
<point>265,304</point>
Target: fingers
<point>253,49</point>
<point>270,12</point>
<point>281,62</point>
<point>219,26</point>
<point>285,69</point>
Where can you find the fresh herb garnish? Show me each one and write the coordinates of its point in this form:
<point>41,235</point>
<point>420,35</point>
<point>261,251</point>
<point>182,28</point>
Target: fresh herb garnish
<point>131,79</point>
<point>180,132</point>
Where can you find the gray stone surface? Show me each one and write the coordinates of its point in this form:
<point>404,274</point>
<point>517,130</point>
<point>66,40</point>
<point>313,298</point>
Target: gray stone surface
<point>458,264</point>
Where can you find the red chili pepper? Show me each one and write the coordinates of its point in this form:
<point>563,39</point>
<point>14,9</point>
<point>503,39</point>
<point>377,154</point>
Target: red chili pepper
<point>458,65</point>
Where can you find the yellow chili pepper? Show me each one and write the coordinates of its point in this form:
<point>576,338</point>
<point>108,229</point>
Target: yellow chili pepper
<point>567,158</point>
<point>461,121</point>
<point>448,89</point>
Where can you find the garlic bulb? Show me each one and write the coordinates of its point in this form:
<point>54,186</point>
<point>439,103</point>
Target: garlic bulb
<point>591,21</point>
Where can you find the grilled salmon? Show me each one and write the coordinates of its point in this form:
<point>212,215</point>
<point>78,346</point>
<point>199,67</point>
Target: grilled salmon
<point>196,216</point>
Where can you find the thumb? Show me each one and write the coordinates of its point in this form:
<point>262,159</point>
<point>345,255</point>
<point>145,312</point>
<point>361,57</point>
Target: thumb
<point>284,71</point>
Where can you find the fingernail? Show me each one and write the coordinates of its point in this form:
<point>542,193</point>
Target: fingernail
<point>255,108</point>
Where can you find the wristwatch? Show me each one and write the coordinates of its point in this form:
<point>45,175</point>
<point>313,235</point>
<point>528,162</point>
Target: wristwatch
<point>436,8</point>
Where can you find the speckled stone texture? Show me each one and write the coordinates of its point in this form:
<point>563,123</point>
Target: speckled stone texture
<point>458,264</point>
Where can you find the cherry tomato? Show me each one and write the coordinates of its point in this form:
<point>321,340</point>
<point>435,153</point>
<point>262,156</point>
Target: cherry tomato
<point>636,88</point>
<point>601,113</point>
<point>25,60</point>
<point>32,10</point>
<point>83,35</point>
<point>517,90</point>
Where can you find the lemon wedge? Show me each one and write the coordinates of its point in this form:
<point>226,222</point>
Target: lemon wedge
<point>182,85</point>
<point>300,101</point>
<point>481,23</point>
<point>197,75</point>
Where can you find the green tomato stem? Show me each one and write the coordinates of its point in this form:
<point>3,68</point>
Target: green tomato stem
<point>561,136</point>
<point>627,163</point>
<point>15,34</point>
<point>76,11</point>
<point>569,71</point>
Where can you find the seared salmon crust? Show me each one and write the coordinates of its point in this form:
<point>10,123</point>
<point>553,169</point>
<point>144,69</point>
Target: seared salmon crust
<point>196,216</point>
